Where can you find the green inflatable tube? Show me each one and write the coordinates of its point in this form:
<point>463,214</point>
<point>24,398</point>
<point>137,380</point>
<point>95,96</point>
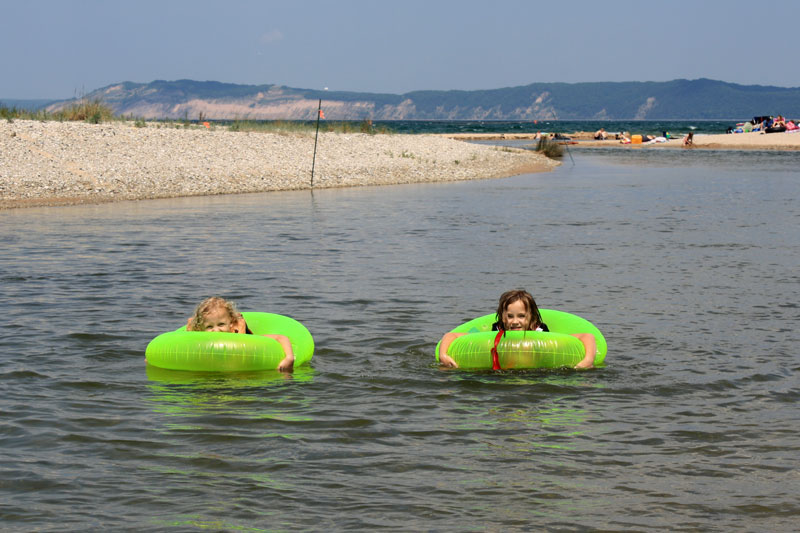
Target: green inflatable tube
<point>525,349</point>
<point>232,352</point>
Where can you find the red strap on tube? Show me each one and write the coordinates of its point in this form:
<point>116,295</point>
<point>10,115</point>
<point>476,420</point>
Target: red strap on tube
<point>495,358</point>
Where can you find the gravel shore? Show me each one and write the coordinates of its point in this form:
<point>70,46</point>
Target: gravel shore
<point>61,163</point>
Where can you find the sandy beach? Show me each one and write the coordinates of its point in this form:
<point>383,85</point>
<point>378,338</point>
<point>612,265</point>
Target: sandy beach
<point>733,141</point>
<point>63,163</point>
<point>730,141</point>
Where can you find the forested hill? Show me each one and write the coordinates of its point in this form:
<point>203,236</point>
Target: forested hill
<point>672,100</point>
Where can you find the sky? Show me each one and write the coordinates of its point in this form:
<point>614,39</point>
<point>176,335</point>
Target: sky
<point>65,48</point>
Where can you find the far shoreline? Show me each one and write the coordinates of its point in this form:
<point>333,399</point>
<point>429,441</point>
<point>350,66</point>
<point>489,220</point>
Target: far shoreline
<point>725,141</point>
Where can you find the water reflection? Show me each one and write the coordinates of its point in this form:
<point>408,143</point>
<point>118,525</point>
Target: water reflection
<point>255,395</point>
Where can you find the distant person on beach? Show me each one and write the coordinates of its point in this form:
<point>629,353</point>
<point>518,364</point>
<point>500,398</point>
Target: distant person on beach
<point>600,135</point>
<point>217,314</point>
<point>517,311</point>
<point>689,139</point>
<point>778,126</point>
<point>625,139</point>
<point>759,125</point>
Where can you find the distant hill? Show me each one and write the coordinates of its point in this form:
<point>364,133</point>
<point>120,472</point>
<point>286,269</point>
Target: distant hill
<point>30,105</point>
<point>671,100</point>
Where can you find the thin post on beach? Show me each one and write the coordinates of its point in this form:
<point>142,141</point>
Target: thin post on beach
<point>314,160</point>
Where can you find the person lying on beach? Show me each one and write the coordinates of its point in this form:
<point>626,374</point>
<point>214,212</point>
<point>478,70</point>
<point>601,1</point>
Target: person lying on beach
<point>627,140</point>
<point>517,311</point>
<point>218,314</point>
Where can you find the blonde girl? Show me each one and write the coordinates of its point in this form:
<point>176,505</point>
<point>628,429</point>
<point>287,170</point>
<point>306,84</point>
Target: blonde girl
<point>218,314</point>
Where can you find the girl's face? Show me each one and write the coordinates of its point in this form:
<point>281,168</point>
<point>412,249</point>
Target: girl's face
<point>517,317</point>
<point>218,319</point>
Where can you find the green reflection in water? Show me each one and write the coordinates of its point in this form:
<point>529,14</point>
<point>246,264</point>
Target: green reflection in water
<point>227,379</point>
<point>223,426</point>
<point>233,404</point>
<point>213,525</point>
<point>554,415</point>
<point>529,434</point>
<point>220,477</point>
<point>550,425</point>
<point>177,392</point>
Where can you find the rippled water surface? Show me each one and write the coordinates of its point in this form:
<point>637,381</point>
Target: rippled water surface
<point>688,262</point>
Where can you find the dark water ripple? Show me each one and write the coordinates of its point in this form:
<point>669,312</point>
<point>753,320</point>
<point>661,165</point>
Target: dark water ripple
<point>687,262</point>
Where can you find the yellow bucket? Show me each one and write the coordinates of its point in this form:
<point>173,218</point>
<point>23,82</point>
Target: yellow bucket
<point>636,139</point>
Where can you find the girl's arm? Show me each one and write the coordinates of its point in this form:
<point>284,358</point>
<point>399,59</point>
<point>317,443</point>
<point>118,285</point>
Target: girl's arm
<point>287,363</point>
<point>590,346</point>
<point>444,359</point>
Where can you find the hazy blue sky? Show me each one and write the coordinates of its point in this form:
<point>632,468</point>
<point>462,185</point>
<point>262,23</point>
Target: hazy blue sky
<point>60,48</point>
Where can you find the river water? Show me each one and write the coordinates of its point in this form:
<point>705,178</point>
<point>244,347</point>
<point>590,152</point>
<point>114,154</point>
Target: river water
<point>687,261</point>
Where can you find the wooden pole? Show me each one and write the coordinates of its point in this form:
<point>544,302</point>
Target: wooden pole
<point>314,161</point>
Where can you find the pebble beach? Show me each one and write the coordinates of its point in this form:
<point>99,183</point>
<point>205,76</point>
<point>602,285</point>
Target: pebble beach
<point>63,163</point>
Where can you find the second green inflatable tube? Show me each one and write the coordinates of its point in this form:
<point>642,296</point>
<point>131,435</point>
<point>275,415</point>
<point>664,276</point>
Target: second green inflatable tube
<point>525,349</point>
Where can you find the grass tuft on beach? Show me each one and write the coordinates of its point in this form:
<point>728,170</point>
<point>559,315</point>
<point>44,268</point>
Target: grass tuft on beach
<point>551,149</point>
<point>302,127</point>
<point>93,111</point>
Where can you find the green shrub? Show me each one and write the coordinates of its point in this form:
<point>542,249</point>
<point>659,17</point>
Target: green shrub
<point>93,111</point>
<point>551,149</point>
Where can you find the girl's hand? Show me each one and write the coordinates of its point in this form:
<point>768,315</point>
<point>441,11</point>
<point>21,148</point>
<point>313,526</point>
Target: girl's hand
<point>447,361</point>
<point>286,364</point>
<point>444,359</point>
<point>590,347</point>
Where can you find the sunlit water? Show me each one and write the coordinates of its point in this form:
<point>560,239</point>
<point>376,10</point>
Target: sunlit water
<point>688,262</point>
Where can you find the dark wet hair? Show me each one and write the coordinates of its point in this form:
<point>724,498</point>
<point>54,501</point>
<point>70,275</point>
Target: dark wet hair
<point>509,297</point>
<point>203,308</point>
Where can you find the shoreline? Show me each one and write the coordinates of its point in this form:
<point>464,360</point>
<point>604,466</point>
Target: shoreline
<point>69,163</point>
<point>724,141</point>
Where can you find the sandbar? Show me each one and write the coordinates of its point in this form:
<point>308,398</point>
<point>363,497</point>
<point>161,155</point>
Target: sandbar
<point>62,163</point>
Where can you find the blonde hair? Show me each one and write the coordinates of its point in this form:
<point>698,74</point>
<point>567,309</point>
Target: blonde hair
<point>203,308</point>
